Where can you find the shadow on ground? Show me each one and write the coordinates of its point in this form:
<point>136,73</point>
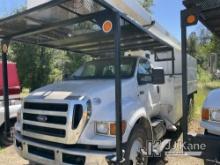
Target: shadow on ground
<point>175,136</point>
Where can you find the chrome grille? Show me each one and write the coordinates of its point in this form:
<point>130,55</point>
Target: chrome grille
<point>44,130</point>
<point>50,119</point>
<point>46,106</point>
<point>55,122</point>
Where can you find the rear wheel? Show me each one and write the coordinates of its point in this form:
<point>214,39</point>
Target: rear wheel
<point>136,142</point>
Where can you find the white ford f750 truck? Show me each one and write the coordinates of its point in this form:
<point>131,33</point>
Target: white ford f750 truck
<point>74,121</point>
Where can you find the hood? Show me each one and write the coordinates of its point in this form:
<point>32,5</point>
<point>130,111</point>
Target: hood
<point>77,88</point>
<point>212,100</point>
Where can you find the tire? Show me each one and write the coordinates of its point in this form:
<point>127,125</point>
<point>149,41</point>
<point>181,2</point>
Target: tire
<point>136,141</point>
<point>7,141</point>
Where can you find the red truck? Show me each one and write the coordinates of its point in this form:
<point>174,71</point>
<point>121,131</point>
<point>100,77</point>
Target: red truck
<point>14,95</point>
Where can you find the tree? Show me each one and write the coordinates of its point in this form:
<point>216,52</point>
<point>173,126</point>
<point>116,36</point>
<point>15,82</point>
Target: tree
<point>146,3</point>
<point>193,44</point>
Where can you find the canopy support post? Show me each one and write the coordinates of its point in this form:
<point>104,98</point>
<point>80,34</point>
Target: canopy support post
<point>118,107</point>
<point>186,20</point>
<point>185,106</point>
<point>4,46</point>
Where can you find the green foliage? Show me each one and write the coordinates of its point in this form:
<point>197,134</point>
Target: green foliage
<point>203,90</point>
<point>202,45</point>
<point>146,3</point>
<point>38,66</point>
<point>193,44</point>
<point>203,75</point>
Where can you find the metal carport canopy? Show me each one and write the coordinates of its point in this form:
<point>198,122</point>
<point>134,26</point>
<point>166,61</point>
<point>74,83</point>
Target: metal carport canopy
<point>209,13</point>
<point>76,26</point>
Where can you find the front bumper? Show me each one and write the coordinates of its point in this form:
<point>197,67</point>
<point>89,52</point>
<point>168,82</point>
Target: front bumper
<point>50,155</point>
<point>211,127</point>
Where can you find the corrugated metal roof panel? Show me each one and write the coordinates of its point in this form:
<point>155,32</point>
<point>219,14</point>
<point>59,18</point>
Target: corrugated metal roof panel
<point>76,25</point>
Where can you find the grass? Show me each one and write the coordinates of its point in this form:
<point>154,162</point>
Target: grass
<point>203,89</point>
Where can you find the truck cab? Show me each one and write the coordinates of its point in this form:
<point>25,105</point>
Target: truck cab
<point>80,110</point>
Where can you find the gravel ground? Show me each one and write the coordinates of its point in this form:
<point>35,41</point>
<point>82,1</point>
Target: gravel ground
<point>8,156</point>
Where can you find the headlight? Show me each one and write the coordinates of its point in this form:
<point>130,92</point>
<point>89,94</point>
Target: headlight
<point>102,128</point>
<point>215,115</point>
<point>109,128</point>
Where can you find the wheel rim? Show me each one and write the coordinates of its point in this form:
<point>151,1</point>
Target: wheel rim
<point>135,148</point>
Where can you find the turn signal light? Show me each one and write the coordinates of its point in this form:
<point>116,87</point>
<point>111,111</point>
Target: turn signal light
<point>205,114</point>
<point>113,128</point>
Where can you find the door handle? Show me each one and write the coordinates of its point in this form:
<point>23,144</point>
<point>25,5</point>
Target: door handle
<point>141,92</point>
<point>158,89</point>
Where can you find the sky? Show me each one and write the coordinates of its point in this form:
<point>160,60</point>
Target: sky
<point>165,12</point>
<point>9,6</point>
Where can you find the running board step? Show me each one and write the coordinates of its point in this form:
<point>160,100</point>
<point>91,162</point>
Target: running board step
<point>159,128</point>
<point>159,147</point>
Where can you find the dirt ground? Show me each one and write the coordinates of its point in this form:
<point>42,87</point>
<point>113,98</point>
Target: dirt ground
<point>8,156</point>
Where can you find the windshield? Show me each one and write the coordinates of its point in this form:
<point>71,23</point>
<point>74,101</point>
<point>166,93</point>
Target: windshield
<point>104,69</point>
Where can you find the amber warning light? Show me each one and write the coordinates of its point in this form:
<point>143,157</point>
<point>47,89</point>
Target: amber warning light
<point>107,26</point>
<point>191,19</point>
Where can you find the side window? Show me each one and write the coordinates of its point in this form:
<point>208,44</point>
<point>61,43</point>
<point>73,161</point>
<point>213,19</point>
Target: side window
<point>144,72</point>
<point>108,71</point>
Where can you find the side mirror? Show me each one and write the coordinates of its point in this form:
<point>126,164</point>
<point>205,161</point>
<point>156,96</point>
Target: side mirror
<point>158,76</point>
<point>144,79</point>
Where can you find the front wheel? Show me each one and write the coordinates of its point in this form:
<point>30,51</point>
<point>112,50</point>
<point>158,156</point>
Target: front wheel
<point>136,142</point>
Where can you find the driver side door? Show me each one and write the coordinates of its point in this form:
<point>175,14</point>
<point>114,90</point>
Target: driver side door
<point>148,93</point>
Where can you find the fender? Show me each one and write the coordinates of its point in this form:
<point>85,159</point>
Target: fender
<point>137,112</point>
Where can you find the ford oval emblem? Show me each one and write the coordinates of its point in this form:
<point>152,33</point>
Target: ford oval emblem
<point>41,118</point>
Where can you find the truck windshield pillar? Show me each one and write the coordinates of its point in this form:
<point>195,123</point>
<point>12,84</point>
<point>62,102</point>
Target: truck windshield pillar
<point>4,46</point>
<point>118,113</point>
